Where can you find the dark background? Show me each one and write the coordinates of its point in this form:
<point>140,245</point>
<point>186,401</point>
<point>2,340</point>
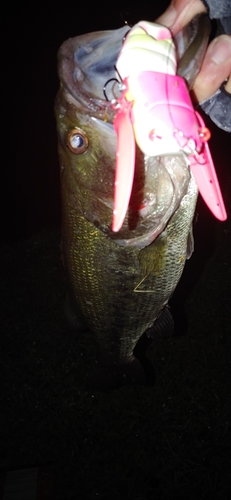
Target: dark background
<point>167,441</point>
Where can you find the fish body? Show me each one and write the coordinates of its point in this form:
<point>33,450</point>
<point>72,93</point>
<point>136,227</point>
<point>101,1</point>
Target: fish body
<point>120,283</point>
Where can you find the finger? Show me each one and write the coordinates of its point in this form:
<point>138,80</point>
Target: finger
<point>228,85</point>
<point>179,13</point>
<point>215,69</point>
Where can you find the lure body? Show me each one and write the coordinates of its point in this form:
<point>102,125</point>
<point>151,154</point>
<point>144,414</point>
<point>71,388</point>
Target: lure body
<point>160,118</point>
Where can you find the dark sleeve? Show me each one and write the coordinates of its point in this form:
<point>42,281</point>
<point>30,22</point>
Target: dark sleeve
<point>220,10</point>
<point>218,107</point>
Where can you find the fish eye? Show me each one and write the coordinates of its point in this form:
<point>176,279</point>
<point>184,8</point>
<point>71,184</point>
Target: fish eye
<point>77,141</point>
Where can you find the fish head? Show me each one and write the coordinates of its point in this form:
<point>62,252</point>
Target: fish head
<point>87,146</point>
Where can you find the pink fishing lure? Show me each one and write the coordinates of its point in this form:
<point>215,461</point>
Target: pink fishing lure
<point>156,112</point>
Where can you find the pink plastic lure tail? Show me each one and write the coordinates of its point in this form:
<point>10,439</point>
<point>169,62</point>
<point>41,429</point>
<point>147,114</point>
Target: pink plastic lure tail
<point>206,178</point>
<point>125,165</point>
<point>155,110</point>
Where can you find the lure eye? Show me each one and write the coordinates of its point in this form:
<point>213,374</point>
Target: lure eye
<point>205,134</point>
<point>77,141</point>
<point>153,135</point>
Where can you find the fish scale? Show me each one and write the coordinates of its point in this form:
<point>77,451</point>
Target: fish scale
<point>104,275</point>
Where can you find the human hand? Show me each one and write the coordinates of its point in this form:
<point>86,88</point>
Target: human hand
<point>216,66</point>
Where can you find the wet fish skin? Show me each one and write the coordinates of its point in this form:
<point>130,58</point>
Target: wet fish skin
<point>190,58</point>
<point>118,283</point>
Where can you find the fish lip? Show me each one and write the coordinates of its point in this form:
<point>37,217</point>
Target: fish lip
<point>139,241</point>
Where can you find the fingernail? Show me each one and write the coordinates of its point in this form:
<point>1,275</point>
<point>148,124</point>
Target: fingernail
<point>168,18</point>
<point>228,86</point>
<point>220,51</point>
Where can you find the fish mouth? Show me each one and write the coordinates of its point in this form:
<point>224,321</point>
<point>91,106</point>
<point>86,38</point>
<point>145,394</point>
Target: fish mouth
<point>86,64</point>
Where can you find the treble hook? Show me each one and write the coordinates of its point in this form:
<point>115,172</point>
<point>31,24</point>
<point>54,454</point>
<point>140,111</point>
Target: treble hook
<point>120,82</point>
<point>104,89</point>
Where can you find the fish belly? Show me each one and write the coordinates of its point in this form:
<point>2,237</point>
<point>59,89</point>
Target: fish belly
<point>120,291</point>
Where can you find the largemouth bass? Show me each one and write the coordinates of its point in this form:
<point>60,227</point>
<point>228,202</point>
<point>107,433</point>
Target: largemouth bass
<point>120,282</point>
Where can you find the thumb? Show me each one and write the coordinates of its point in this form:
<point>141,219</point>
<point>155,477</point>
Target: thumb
<point>215,69</point>
<point>179,13</point>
